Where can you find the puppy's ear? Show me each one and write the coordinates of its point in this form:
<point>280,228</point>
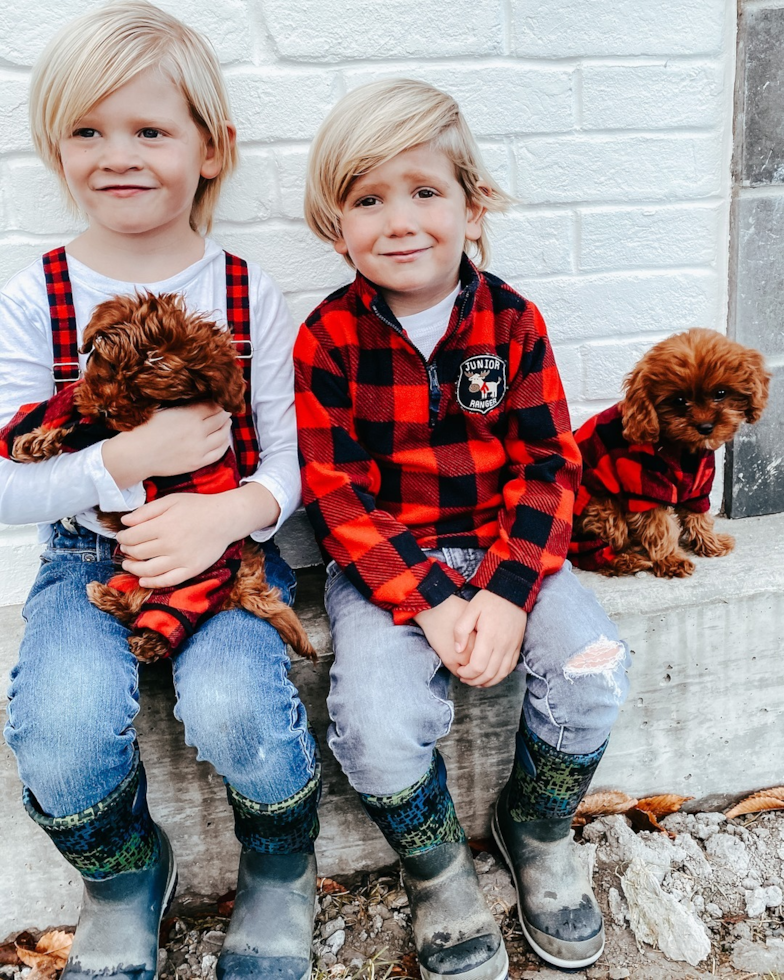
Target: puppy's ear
<point>755,385</point>
<point>105,316</point>
<point>638,413</point>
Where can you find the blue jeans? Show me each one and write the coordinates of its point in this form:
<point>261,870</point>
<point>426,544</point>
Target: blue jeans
<point>389,692</point>
<point>75,690</point>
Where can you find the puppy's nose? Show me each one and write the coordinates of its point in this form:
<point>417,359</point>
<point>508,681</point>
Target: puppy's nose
<point>704,428</point>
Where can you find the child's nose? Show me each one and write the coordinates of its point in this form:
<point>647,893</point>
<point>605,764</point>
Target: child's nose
<point>119,154</point>
<point>400,219</point>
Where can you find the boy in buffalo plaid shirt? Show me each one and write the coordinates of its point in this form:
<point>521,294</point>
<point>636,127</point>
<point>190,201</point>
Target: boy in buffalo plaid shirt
<point>439,474</point>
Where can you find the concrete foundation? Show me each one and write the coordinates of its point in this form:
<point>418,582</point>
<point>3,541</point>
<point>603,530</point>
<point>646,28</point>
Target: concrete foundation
<point>703,718</point>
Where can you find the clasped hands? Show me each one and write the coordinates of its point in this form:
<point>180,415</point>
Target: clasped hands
<point>478,640</point>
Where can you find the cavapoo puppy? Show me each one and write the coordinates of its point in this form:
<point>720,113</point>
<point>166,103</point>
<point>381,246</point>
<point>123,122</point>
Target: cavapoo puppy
<point>147,352</point>
<point>648,462</point>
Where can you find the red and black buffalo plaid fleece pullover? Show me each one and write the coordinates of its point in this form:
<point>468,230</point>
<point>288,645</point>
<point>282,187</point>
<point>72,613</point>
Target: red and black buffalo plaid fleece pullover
<point>470,449</point>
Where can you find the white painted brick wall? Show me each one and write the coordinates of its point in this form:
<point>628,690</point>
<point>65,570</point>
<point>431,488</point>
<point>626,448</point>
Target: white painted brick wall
<point>611,123</point>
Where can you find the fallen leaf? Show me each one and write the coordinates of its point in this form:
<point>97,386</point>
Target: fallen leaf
<point>482,844</point>
<point>765,799</point>
<point>226,902</point>
<point>601,804</point>
<point>645,820</point>
<point>408,966</point>
<point>8,955</point>
<point>48,956</point>
<point>660,806</point>
<point>330,887</point>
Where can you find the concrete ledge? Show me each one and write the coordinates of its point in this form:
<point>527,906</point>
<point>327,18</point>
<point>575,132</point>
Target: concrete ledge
<point>702,719</point>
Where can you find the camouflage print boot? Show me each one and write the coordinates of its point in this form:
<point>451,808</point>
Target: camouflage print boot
<point>271,928</point>
<point>532,826</point>
<point>129,875</point>
<point>456,937</point>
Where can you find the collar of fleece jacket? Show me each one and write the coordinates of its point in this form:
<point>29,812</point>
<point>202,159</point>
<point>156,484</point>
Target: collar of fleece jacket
<point>471,449</point>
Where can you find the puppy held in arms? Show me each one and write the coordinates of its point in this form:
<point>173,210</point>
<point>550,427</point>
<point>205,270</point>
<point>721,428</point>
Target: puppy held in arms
<point>648,462</point>
<point>147,352</point>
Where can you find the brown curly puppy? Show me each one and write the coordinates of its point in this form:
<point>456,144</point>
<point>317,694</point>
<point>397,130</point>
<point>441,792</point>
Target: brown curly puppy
<point>148,352</point>
<point>648,462</point>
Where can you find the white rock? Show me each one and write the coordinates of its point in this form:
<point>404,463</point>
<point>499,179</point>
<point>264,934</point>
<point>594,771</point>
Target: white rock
<point>336,941</point>
<point>759,899</point>
<point>658,919</point>
<point>333,926</point>
<point>756,958</point>
<point>619,910</point>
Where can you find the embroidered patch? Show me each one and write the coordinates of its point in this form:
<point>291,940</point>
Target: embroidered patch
<point>481,384</point>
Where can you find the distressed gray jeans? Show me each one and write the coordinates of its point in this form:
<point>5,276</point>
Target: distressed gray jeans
<point>389,692</point>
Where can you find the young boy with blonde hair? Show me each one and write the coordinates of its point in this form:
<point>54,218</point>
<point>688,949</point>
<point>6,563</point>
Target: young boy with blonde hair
<point>439,473</point>
<point>129,109</point>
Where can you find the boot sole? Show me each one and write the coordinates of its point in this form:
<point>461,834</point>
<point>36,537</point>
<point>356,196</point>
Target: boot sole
<point>498,962</point>
<point>171,888</point>
<point>547,957</point>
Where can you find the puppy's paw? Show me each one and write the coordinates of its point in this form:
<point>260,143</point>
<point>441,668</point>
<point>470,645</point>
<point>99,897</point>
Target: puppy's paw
<point>672,566</point>
<point>713,545</point>
<point>148,646</point>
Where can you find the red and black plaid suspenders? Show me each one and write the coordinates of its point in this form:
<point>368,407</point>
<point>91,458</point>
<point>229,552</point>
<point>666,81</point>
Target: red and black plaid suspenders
<point>65,366</point>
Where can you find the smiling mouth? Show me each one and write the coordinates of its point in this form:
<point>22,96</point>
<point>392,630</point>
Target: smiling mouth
<point>123,189</point>
<point>408,253</point>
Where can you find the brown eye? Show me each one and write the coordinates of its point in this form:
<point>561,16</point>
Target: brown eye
<point>678,401</point>
<point>719,394</point>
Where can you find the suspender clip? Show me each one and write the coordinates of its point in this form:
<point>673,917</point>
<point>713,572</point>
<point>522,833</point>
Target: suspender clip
<point>244,349</point>
<point>66,375</point>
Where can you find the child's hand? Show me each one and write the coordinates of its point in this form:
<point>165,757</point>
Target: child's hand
<point>173,441</point>
<point>438,625</point>
<point>173,538</point>
<point>498,627</point>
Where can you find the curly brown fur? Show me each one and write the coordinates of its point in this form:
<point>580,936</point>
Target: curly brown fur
<point>147,352</point>
<point>39,444</point>
<point>251,591</point>
<point>692,390</point>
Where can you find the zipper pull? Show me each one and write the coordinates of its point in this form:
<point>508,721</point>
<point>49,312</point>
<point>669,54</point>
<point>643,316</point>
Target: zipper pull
<point>435,394</point>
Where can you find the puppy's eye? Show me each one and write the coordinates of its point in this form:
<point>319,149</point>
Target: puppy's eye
<point>719,394</point>
<point>678,401</point>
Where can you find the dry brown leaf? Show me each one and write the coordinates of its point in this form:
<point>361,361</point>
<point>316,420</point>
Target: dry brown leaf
<point>601,804</point>
<point>330,887</point>
<point>765,799</point>
<point>48,956</point>
<point>481,844</point>
<point>645,820</point>
<point>226,902</point>
<point>407,967</point>
<point>660,806</point>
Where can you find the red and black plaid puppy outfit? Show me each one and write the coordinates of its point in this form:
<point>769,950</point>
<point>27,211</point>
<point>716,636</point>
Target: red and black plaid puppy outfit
<point>175,612</point>
<point>638,476</point>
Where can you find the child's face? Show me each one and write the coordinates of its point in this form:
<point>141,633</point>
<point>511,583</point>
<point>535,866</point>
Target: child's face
<point>133,161</point>
<point>404,226</point>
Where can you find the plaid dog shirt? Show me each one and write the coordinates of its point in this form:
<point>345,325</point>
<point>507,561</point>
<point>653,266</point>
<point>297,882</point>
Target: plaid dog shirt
<point>640,477</point>
<point>177,611</point>
<point>469,449</point>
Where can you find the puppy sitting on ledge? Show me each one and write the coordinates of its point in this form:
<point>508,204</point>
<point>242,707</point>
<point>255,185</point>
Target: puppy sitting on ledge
<point>147,352</point>
<point>648,462</point>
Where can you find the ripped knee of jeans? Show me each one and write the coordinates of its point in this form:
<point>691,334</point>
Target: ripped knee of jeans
<point>601,658</point>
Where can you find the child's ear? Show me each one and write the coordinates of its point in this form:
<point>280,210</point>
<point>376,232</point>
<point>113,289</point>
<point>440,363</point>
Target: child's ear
<point>212,164</point>
<point>476,214</point>
<point>340,246</point>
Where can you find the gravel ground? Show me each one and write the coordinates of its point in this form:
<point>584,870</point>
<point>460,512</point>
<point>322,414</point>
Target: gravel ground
<point>708,892</point>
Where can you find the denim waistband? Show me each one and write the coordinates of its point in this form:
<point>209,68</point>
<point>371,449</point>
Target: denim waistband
<point>69,537</point>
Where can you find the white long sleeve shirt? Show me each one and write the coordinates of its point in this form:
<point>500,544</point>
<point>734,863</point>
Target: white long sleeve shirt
<point>74,484</point>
